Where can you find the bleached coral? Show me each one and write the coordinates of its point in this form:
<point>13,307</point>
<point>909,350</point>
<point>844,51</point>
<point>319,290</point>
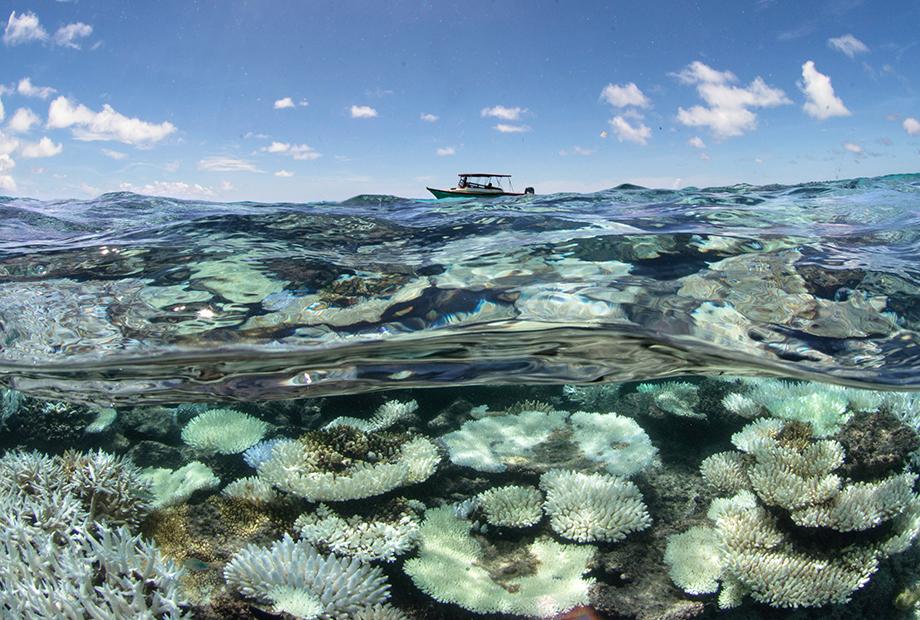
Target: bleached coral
<point>366,540</point>
<point>511,506</point>
<point>110,487</point>
<point>694,560</point>
<point>449,568</point>
<point>492,443</point>
<point>595,397</point>
<point>251,489</point>
<point>792,477</point>
<point>300,467</point>
<point>725,472</point>
<point>225,431</point>
<point>860,505</point>
<point>615,441</point>
<point>774,572</point>
<point>752,435</point>
<point>593,507</point>
<point>387,414</point>
<point>174,486</point>
<point>741,405</point>
<point>675,397</point>
<point>104,419</point>
<point>299,603</point>
<point>261,452</point>
<point>58,561</point>
<point>825,407</point>
<point>342,586</point>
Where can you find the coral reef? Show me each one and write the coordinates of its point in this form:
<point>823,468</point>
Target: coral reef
<point>225,431</point>
<point>511,506</point>
<point>344,463</point>
<point>451,567</point>
<point>365,538</point>
<point>174,486</point>
<point>593,507</point>
<point>293,575</point>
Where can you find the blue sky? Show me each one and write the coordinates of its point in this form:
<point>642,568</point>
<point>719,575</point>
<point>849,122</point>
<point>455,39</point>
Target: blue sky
<point>297,100</point>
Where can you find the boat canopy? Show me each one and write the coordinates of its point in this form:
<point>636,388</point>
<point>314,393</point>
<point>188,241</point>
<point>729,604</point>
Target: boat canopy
<point>483,174</point>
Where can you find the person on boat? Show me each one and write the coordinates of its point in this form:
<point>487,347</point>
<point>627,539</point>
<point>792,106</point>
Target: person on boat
<point>462,183</point>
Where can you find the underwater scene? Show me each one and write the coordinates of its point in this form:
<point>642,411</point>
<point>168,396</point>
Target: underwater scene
<point>637,404</point>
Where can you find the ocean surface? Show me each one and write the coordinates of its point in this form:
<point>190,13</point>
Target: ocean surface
<point>635,404</point>
<point>136,299</point>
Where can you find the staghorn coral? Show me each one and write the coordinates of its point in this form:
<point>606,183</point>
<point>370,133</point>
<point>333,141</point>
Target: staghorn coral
<point>341,586</point>
<point>258,453</point>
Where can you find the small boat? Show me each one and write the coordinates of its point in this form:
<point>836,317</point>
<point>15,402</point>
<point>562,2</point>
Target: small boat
<point>480,185</point>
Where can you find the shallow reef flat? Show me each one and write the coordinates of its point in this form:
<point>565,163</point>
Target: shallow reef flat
<point>693,497</point>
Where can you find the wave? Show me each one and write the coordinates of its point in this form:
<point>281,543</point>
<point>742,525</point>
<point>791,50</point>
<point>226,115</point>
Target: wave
<point>128,298</point>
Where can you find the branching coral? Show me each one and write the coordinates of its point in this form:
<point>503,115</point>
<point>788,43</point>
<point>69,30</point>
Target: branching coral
<point>290,569</point>
<point>387,414</point>
<point>675,397</point>
<point>511,506</point>
<point>593,507</point>
<point>357,537</point>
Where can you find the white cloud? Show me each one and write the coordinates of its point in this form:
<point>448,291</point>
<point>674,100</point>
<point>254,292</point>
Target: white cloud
<point>218,163</point>
<point>446,151</point>
<point>172,189</point>
<point>8,144</point>
<point>27,89</point>
<point>853,148</point>
<point>303,152</point>
<point>505,128</point>
<point>604,134</point>
<point>577,150</point>
<point>696,142</point>
<point>627,132</point>
<point>105,125</point>
<point>363,111</point>
<point>2,111</point>
<point>500,111</point>
<point>284,174</point>
<point>7,183</point>
<point>848,44</point>
<point>911,126</point>
<point>22,121</point>
<point>429,118</point>
<point>284,103</point>
<point>728,112</point>
<point>43,148</point>
<point>705,156</point>
<point>624,95</point>
<point>66,36</point>
<point>250,135</point>
<point>23,28</point>
<point>821,102</point>
<point>7,163</point>
<point>113,154</point>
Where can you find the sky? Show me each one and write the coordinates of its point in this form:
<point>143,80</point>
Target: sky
<point>322,100</point>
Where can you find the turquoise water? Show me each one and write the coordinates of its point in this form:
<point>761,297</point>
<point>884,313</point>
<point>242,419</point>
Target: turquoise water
<point>702,400</point>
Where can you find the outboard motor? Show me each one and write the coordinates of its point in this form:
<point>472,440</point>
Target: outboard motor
<point>528,190</point>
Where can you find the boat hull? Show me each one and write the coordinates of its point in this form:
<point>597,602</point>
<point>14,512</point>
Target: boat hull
<point>466,193</point>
